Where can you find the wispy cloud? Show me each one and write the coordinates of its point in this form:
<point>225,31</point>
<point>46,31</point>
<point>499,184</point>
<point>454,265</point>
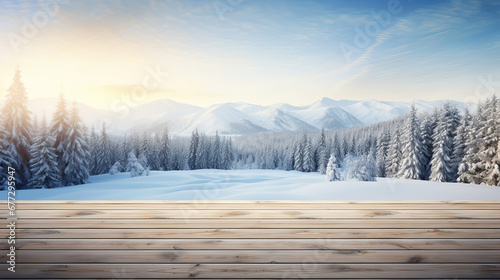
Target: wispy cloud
<point>440,22</point>
<point>495,45</point>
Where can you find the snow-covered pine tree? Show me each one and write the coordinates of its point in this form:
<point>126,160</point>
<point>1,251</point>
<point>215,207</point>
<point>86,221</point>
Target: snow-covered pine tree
<point>471,168</point>
<point>394,154</point>
<point>216,153</point>
<point>115,148</point>
<point>382,150</point>
<point>123,150</point>
<point>429,122</point>
<point>145,144</point>
<point>43,163</point>
<point>345,148</point>
<point>104,158</point>
<point>262,159</point>
<point>133,166</point>
<point>17,127</point>
<point>364,144</point>
<point>336,148</point>
<point>209,152</point>
<point>351,167</point>
<point>86,147</point>
<point>77,152</point>
<point>275,159</point>
<point>298,162</point>
<point>147,148</point>
<point>460,144</point>
<point>441,165</point>
<point>149,151</point>
<point>5,156</point>
<point>463,168</point>
<point>116,168</point>
<point>164,154</point>
<point>229,153</point>
<point>59,129</point>
<point>493,178</point>
<point>412,161</point>
<point>353,145</point>
<point>371,162</point>
<point>360,168</point>
<point>193,146</point>
<point>308,156</point>
<point>321,153</point>
<point>225,162</point>
<point>176,162</point>
<point>154,156</point>
<point>332,170</point>
<point>489,148</point>
<point>135,144</point>
<point>371,167</point>
<point>143,161</point>
<point>93,149</point>
<point>287,159</point>
<point>203,150</point>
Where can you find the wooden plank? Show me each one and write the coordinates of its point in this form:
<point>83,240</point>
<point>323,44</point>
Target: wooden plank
<point>254,244</point>
<point>258,214</point>
<point>250,239</point>
<point>218,271</point>
<point>259,201</point>
<point>119,276</point>
<point>254,233</point>
<point>256,223</point>
<point>246,206</point>
<point>254,256</point>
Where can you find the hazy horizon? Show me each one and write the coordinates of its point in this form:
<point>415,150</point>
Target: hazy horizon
<point>69,101</point>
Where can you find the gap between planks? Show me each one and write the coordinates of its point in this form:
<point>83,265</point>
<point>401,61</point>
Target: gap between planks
<point>257,214</point>
<point>247,206</point>
<point>284,271</point>
<point>257,244</point>
<point>42,223</point>
<point>254,233</point>
<point>255,256</point>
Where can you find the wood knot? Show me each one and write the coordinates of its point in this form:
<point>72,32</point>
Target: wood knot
<point>416,259</point>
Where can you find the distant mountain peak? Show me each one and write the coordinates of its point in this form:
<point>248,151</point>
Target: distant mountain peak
<point>241,117</point>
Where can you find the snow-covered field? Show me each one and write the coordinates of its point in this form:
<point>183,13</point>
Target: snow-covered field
<point>254,185</point>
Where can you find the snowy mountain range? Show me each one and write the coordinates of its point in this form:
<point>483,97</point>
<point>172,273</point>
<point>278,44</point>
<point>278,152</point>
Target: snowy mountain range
<point>240,118</point>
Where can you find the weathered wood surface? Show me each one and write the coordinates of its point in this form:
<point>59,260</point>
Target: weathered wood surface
<point>257,223</point>
<point>254,240</point>
<point>257,214</point>
<point>253,233</point>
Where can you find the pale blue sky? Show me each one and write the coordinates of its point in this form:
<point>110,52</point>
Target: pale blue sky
<point>258,51</point>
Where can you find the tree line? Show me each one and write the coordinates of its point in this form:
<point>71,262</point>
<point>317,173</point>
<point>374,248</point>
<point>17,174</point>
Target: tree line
<point>64,152</point>
<point>445,145</point>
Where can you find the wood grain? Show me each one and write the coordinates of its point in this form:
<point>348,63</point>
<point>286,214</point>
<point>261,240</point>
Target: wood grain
<point>253,233</point>
<point>256,223</point>
<point>283,271</point>
<point>256,256</point>
<point>254,240</point>
<point>206,205</point>
<point>257,214</point>
<point>257,244</point>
